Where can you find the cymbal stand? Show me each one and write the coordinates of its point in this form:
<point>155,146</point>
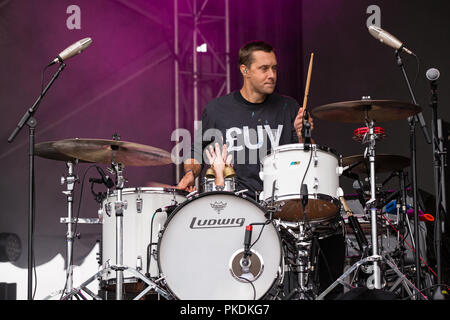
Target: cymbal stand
<point>370,153</point>
<point>375,258</point>
<point>120,206</point>
<point>70,180</point>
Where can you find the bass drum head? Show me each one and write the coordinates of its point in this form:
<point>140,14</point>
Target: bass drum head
<point>201,247</point>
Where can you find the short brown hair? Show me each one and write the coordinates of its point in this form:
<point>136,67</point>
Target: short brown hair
<point>245,52</point>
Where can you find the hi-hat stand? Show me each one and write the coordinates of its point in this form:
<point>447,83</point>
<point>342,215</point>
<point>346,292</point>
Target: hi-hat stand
<point>376,258</point>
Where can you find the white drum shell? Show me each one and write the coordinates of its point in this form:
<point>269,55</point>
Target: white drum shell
<point>195,259</point>
<point>287,165</point>
<point>136,227</point>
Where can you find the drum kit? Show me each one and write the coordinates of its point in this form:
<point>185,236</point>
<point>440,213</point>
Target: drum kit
<point>221,243</point>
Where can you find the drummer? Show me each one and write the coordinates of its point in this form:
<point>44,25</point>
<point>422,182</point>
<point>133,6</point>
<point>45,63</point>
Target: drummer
<point>277,119</point>
<point>274,118</point>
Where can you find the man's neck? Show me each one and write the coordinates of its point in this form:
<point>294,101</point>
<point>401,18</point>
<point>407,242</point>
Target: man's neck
<point>252,96</point>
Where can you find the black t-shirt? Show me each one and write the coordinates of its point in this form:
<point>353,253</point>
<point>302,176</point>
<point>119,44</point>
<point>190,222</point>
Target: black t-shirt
<point>250,131</point>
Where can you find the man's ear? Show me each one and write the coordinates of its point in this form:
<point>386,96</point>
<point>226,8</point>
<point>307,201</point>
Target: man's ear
<point>243,69</point>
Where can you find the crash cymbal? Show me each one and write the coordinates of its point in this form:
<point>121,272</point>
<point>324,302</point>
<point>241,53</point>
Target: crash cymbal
<point>383,163</point>
<point>357,111</point>
<point>47,150</point>
<point>109,151</point>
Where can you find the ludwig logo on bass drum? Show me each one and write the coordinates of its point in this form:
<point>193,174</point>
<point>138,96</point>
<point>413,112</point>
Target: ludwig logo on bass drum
<point>216,223</point>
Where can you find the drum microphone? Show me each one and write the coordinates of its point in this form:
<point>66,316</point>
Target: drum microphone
<point>247,244</point>
<point>359,190</point>
<point>107,181</point>
<point>306,130</point>
<point>72,50</point>
<point>388,39</point>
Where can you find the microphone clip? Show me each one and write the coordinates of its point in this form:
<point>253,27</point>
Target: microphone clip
<point>306,131</point>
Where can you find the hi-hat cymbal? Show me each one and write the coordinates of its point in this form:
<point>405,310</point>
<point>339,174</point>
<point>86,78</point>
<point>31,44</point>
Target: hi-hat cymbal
<point>109,151</point>
<point>360,110</point>
<point>383,163</point>
<point>48,150</point>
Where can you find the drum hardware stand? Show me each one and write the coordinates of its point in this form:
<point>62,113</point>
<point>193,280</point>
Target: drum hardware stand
<point>412,132</point>
<point>120,206</point>
<point>83,286</point>
<point>70,180</point>
<point>375,258</point>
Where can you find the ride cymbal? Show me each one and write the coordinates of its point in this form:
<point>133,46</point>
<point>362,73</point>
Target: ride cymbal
<point>359,110</point>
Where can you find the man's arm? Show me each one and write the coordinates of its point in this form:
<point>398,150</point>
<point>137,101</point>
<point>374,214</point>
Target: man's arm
<point>192,169</point>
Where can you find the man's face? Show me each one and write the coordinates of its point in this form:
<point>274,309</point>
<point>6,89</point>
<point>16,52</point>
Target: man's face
<point>262,74</point>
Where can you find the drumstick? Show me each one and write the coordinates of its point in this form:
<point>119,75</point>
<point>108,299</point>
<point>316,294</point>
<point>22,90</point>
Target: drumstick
<point>346,207</point>
<point>308,80</point>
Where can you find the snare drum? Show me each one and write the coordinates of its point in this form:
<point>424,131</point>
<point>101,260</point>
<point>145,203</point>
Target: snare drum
<point>287,166</point>
<point>201,248</point>
<point>137,224</point>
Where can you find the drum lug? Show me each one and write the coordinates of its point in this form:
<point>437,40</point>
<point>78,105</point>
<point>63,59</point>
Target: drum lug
<point>108,208</point>
<point>316,158</point>
<point>139,204</point>
<point>139,263</point>
<point>316,183</point>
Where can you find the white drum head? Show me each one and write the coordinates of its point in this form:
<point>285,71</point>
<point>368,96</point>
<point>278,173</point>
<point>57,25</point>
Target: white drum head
<point>201,245</point>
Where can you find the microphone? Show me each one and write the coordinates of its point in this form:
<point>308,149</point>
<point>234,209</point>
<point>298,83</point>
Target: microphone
<point>306,130</point>
<point>359,190</point>
<point>433,74</point>
<point>107,181</point>
<point>388,39</point>
<point>247,242</point>
<point>72,50</point>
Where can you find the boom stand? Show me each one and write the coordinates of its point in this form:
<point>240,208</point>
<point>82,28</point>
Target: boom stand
<point>30,121</point>
<point>439,186</point>
<point>375,258</point>
<point>412,124</point>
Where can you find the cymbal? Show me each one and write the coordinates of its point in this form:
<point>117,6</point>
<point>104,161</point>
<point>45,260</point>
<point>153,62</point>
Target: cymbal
<point>48,150</point>
<point>109,151</point>
<point>383,163</point>
<point>357,111</point>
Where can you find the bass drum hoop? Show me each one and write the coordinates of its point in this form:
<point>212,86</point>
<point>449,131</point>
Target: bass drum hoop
<point>277,280</point>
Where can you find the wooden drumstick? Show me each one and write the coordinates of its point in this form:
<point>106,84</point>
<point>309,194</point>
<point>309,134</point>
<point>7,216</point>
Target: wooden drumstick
<point>308,80</point>
<point>346,207</point>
